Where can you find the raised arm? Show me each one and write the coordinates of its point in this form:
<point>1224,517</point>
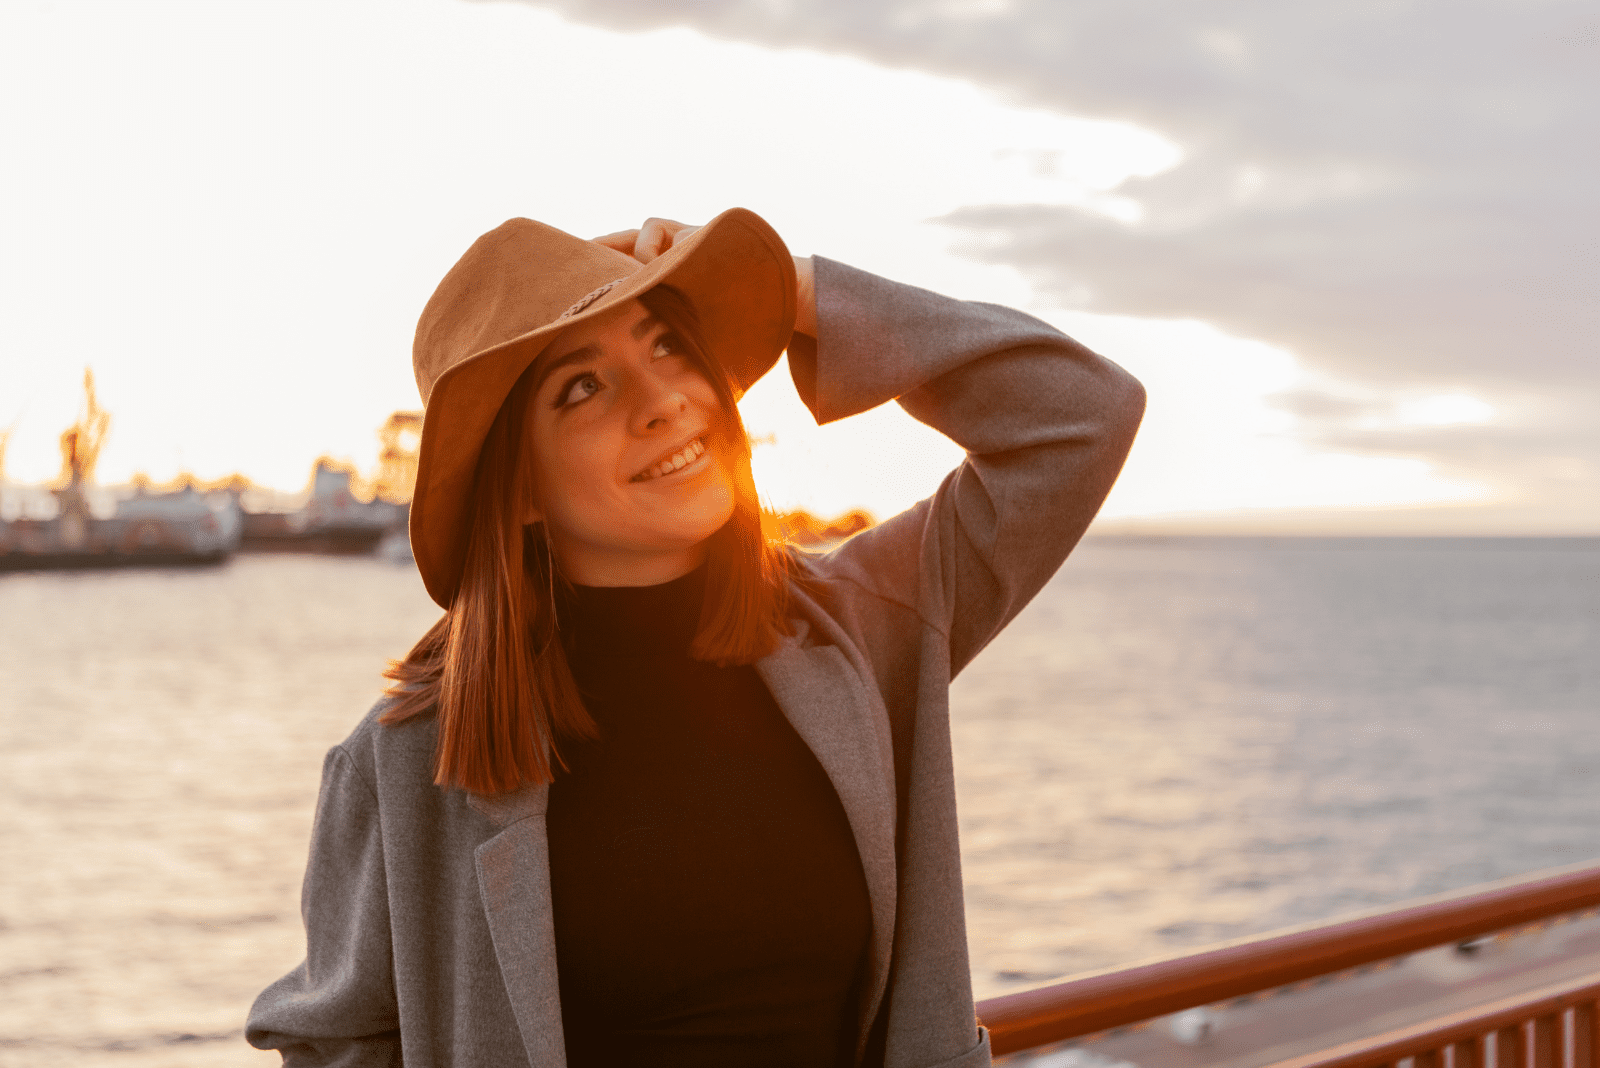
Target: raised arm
<point>1045,422</point>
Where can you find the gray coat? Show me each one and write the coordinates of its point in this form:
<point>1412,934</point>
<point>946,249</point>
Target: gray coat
<point>428,924</point>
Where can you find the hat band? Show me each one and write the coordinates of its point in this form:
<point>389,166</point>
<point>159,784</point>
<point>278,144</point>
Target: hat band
<point>588,300</point>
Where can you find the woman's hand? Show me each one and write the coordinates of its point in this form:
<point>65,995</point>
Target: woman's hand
<point>658,235</point>
<point>650,240</point>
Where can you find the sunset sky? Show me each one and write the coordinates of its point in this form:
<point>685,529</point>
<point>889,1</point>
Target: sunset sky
<point>1350,247</point>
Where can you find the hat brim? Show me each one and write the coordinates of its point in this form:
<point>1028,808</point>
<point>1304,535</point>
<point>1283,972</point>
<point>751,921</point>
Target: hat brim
<point>736,272</point>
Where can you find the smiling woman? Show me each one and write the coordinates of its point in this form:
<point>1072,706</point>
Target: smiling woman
<point>707,774</point>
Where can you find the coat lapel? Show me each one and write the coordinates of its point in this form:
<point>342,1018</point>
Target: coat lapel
<point>843,721</point>
<point>514,879</point>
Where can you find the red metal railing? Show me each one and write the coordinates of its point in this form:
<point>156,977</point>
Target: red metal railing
<point>1547,1028</point>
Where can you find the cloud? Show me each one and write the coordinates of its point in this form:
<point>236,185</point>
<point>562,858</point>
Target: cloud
<point>1402,193</point>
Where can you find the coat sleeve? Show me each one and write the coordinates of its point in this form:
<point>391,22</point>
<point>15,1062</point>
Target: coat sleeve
<point>1045,423</point>
<point>338,1008</point>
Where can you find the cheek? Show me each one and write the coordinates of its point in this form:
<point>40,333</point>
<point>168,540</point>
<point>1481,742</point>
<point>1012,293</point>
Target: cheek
<point>717,416</point>
<point>578,474</point>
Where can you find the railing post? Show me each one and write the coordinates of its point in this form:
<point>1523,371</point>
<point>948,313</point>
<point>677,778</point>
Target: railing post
<point>1509,1049</point>
<point>1540,1041</point>
<point>1583,1044</point>
<point>1467,1053</point>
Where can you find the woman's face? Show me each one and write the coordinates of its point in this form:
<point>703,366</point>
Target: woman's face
<point>629,442</point>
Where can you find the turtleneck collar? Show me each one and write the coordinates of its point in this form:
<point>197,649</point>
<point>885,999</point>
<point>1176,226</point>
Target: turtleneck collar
<point>609,622</point>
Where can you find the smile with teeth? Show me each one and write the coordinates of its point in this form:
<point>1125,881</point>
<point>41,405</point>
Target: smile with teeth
<point>676,462</point>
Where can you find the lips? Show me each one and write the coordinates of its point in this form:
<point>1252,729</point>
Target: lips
<point>676,460</point>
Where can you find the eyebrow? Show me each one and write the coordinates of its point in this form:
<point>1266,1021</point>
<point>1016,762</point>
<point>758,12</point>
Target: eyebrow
<point>587,352</point>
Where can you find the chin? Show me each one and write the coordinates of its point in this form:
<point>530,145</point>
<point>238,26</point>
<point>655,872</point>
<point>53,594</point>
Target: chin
<point>707,523</point>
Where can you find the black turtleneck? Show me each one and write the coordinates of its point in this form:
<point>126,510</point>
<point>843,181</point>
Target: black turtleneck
<point>709,903</point>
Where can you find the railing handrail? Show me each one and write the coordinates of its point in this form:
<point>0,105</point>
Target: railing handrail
<point>1103,1000</point>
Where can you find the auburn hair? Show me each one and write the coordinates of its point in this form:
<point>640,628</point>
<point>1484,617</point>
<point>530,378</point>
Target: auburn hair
<point>493,670</point>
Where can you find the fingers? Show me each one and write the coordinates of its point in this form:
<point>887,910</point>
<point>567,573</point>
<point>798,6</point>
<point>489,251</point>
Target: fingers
<point>650,240</point>
<point>658,235</point>
<point>622,240</point>
<point>655,237</point>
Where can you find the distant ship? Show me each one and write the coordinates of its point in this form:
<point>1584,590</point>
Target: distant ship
<point>185,527</point>
<point>334,520</point>
<point>147,530</point>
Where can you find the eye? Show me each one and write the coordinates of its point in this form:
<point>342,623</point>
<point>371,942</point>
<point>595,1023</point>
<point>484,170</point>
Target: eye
<point>578,388</point>
<point>667,345</point>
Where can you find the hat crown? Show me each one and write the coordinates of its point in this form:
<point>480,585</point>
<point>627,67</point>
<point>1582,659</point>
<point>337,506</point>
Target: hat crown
<point>515,279</point>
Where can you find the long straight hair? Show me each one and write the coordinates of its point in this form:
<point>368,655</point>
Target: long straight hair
<point>493,670</point>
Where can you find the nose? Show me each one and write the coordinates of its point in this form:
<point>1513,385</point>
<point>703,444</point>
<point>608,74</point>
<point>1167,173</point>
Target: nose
<point>660,403</point>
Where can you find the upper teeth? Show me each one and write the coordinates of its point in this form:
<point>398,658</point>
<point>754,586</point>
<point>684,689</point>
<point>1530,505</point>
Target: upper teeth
<point>682,458</point>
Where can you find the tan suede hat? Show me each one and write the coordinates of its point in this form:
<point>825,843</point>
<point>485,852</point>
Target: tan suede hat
<point>523,283</point>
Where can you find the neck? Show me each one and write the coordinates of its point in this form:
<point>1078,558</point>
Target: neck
<point>601,625</point>
<point>628,569</point>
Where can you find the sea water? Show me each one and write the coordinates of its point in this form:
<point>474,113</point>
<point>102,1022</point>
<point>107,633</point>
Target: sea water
<point>1179,741</point>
